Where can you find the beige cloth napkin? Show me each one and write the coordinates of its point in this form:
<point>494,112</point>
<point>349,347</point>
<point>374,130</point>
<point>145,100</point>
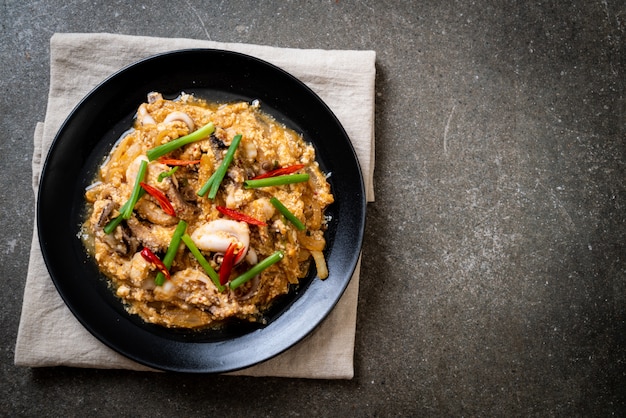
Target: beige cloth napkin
<point>49,335</point>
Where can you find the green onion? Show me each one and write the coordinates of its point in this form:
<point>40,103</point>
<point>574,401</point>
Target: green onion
<point>202,261</point>
<point>276,181</point>
<point>171,250</point>
<point>113,223</point>
<point>258,268</point>
<point>205,188</point>
<point>168,147</point>
<point>118,220</point>
<point>136,193</point>
<point>287,214</point>
<point>168,173</point>
<point>221,170</point>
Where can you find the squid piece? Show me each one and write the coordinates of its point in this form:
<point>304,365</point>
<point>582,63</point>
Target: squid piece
<point>217,235</point>
<point>180,116</point>
<point>143,117</point>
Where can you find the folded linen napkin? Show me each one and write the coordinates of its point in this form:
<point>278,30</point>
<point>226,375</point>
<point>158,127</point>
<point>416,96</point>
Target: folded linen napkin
<point>49,335</point>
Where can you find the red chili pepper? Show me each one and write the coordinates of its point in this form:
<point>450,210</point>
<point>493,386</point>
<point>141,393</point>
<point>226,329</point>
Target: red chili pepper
<point>160,197</point>
<point>227,263</point>
<point>238,216</point>
<point>150,257</point>
<point>173,161</point>
<point>279,171</point>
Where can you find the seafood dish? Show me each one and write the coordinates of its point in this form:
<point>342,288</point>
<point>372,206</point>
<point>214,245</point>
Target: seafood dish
<point>206,212</point>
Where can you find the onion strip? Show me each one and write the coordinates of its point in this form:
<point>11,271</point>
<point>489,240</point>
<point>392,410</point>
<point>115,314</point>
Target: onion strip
<point>320,264</point>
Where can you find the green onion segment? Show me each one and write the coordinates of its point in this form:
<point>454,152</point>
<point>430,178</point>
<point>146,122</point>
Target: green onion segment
<point>113,223</point>
<point>256,269</point>
<point>287,214</point>
<point>135,194</point>
<point>202,261</point>
<point>221,171</point>
<point>205,188</point>
<point>276,181</point>
<point>168,147</point>
<point>171,250</point>
<point>127,208</point>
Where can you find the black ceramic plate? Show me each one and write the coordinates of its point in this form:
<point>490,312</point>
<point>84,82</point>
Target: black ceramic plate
<point>89,134</point>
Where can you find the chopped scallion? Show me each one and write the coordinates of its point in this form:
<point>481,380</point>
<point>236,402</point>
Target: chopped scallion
<point>110,227</point>
<point>136,193</point>
<point>276,181</point>
<point>171,250</point>
<point>287,213</point>
<point>202,261</point>
<point>256,269</point>
<point>113,223</point>
<point>168,147</point>
<point>205,188</point>
<point>221,171</point>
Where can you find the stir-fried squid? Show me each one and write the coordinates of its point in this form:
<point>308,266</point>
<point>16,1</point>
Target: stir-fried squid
<point>214,225</point>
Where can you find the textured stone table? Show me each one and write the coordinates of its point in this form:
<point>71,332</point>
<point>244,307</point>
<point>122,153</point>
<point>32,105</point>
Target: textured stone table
<point>494,271</point>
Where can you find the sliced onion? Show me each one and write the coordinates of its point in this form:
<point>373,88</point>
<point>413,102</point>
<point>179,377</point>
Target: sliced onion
<point>320,264</point>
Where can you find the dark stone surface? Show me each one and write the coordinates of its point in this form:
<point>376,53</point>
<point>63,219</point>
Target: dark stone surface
<point>494,269</point>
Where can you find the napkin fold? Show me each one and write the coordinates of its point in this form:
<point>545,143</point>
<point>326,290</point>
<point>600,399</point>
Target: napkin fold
<point>49,334</point>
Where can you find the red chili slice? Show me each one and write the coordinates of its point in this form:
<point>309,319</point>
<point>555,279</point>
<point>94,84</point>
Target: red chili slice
<point>227,263</point>
<point>173,161</point>
<point>160,197</point>
<point>238,216</point>
<point>150,257</point>
<point>279,171</point>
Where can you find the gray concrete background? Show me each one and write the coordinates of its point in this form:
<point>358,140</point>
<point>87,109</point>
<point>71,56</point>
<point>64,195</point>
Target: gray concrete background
<point>494,268</point>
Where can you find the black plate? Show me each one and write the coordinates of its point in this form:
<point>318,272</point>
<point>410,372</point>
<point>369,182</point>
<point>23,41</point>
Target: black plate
<point>89,134</point>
